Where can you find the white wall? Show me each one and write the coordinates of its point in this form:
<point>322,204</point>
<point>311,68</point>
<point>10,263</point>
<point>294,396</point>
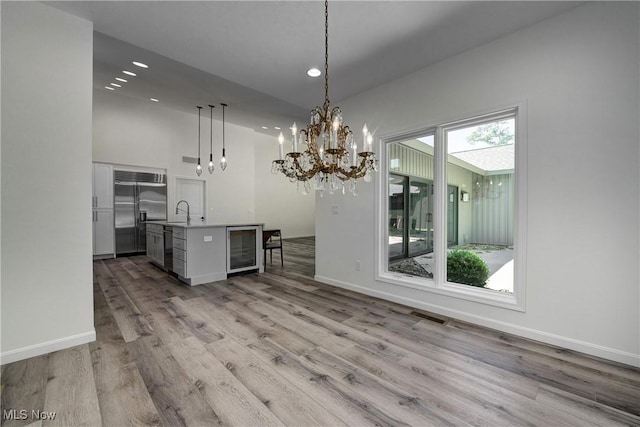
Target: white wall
<point>131,132</point>
<point>578,75</point>
<point>277,200</point>
<point>47,286</point>
<point>0,191</point>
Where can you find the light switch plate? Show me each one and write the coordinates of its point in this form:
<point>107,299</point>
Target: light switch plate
<point>335,209</point>
<point>208,238</point>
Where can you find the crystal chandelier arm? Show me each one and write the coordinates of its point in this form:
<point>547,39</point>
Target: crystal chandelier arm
<point>367,163</point>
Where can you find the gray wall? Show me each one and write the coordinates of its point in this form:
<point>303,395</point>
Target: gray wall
<point>47,286</point>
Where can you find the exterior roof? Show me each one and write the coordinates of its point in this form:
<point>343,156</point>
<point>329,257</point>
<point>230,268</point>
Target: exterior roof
<point>497,158</point>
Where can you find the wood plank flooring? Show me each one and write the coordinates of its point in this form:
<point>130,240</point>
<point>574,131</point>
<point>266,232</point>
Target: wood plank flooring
<point>279,348</point>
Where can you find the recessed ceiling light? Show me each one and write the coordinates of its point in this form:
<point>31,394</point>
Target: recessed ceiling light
<point>276,127</point>
<point>153,99</point>
<point>121,80</point>
<point>129,73</point>
<point>115,84</point>
<point>109,87</point>
<point>265,127</point>
<point>313,72</point>
<point>140,64</point>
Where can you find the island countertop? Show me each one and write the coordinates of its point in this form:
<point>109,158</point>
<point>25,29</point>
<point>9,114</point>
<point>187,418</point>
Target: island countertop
<point>205,224</point>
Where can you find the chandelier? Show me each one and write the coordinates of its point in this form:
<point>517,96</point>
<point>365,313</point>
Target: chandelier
<point>330,157</point>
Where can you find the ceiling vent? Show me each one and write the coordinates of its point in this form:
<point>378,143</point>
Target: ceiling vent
<point>192,160</point>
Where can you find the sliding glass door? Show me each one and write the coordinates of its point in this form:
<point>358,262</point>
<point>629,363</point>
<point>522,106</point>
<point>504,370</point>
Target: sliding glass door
<point>398,241</point>
<point>410,216</point>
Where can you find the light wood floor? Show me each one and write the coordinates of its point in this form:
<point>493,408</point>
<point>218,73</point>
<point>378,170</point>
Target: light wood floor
<point>281,349</point>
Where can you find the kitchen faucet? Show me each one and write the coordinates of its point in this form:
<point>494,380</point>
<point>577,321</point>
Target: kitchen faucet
<point>188,214</point>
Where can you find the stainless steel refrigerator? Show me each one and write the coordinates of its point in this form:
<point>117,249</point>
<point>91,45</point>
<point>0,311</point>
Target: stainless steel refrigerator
<point>138,197</point>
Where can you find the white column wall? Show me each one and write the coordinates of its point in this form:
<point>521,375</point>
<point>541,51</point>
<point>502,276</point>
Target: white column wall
<point>47,286</point>
<point>577,73</point>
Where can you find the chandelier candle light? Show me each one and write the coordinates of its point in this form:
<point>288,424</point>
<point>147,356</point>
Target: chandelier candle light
<point>331,155</point>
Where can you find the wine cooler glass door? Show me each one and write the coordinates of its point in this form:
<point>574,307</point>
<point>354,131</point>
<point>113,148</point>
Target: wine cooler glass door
<point>242,244</point>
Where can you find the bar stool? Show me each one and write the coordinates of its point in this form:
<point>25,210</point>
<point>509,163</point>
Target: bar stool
<point>272,239</point>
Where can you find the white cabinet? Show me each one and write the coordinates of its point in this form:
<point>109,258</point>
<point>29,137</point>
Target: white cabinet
<point>102,186</point>
<point>155,243</point>
<point>180,251</point>
<point>103,232</point>
<point>199,254</point>
<point>102,204</point>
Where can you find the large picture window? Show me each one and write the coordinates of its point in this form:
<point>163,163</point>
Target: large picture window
<point>450,209</point>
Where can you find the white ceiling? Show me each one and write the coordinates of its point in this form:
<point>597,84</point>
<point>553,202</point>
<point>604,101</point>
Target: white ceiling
<point>253,55</point>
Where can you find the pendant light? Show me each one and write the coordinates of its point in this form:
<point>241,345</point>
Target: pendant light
<point>199,166</point>
<point>223,160</point>
<point>211,167</point>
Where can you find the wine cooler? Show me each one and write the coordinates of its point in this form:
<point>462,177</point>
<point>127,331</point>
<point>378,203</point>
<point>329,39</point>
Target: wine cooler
<point>244,245</point>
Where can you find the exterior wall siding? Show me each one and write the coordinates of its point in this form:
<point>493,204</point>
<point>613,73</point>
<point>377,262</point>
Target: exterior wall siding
<point>493,209</point>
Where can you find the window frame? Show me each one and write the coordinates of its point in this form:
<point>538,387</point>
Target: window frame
<point>439,285</point>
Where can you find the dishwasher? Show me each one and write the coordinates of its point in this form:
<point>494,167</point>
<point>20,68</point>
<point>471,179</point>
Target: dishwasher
<point>168,248</point>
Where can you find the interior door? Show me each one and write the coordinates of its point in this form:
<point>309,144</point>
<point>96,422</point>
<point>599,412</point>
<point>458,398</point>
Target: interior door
<point>193,191</point>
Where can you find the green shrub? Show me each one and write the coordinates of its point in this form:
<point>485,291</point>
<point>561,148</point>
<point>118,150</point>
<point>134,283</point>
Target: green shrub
<point>467,268</point>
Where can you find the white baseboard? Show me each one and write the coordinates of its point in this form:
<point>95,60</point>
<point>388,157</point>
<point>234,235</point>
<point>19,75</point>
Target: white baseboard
<point>46,347</point>
<point>557,340</point>
<point>207,278</point>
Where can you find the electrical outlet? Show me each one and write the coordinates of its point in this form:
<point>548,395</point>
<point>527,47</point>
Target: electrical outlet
<point>335,209</point>
<point>358,265</point>
<point>208,238</point>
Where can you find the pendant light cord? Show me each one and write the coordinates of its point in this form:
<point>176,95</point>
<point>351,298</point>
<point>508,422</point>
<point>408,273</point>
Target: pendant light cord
<point>223,106</point>
<point>199,110</point>
<point>211,129</point>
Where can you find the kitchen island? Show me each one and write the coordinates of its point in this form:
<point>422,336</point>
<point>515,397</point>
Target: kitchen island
<point>202,253</point>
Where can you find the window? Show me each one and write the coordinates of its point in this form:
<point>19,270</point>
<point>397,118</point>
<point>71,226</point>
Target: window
<point>449,218</point>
